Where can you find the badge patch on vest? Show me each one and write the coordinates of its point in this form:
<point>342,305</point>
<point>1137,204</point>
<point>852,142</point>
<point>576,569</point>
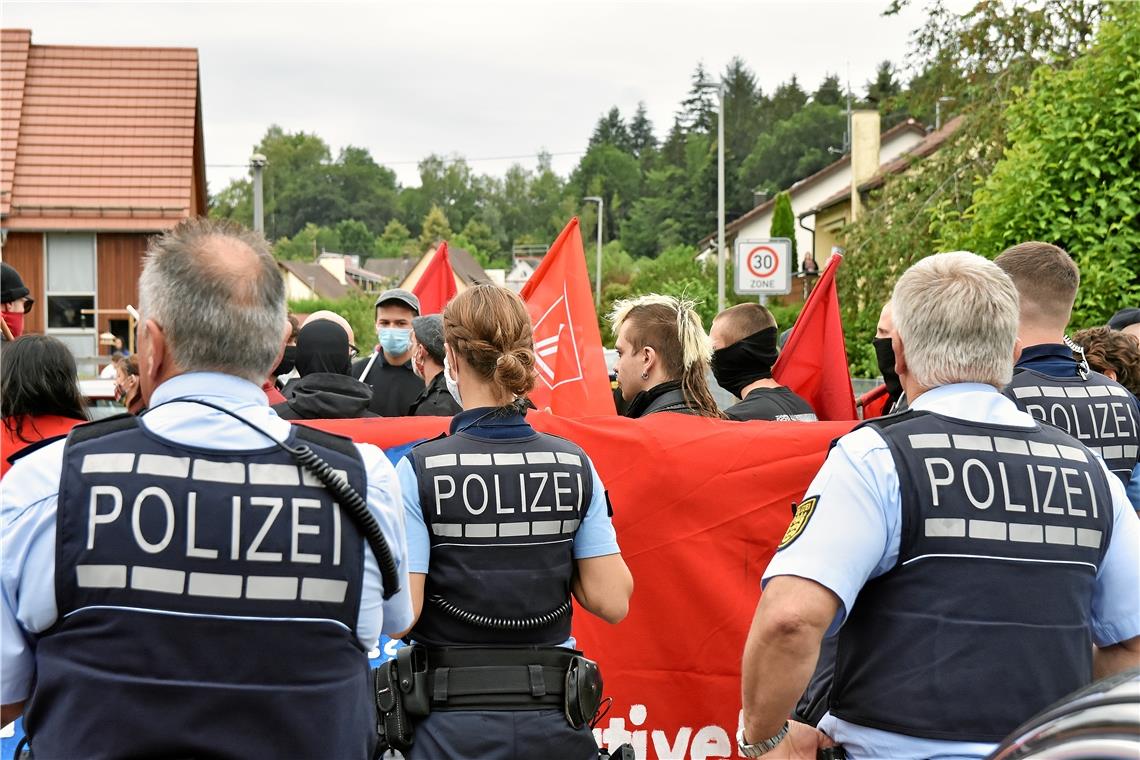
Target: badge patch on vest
<point>803,513</point>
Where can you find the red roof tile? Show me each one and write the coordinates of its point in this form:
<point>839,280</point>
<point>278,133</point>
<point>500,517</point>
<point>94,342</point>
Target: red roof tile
<point>98,137</point>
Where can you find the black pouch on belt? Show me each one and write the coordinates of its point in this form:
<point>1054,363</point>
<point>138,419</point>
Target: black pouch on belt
<point>583,692</point>
<point>400,687</point>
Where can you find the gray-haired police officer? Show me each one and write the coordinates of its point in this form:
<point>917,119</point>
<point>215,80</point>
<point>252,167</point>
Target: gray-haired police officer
<point>177,585</point>
<point>1052,385</point>
<point>965,553</point>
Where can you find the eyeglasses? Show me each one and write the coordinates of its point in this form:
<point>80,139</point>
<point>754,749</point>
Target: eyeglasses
<point>353,351</point>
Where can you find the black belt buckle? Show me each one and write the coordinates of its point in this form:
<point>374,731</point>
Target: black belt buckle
<point>583,692</point>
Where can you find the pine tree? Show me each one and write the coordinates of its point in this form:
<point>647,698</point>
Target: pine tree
<point>698,109</point>
<point>611,130</point>
<point>435,228</point>
<point>830,92</point>
<point>784,221</point>
<point>641,137</point>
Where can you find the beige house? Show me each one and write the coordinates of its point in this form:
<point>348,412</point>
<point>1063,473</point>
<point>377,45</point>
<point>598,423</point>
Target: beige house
<point>466,270</point>
<point>835,212</point>
<point>810,191</point>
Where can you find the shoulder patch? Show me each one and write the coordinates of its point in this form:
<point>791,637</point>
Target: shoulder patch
<point>803,513</point>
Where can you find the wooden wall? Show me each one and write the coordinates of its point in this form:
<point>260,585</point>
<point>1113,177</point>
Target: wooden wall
<point>25,252</point>
<point>118,266</point>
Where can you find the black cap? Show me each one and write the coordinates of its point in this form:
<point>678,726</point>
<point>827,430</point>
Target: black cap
<point>11,286</point>
<point>429,333</point>
<point>1120,319</point>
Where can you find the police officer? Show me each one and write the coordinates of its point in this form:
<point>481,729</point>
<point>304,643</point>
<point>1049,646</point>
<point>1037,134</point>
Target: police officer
<point>1053,386</point>
<point>504,525</point>
<point>176,585</point>
<point>984,550</point>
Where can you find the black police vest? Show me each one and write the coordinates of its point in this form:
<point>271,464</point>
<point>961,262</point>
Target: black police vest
<point>501,517</point>
<point>207,605</point>
<point>984,619</point>
<point>1099,412</point>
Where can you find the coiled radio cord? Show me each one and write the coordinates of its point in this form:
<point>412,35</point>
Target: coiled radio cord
<point>500,623</point>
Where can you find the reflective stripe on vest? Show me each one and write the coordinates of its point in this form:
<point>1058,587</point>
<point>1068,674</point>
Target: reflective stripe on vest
<point>501,517</point>
<point>1097,411</point>
<point>208,603</point>
<point>983,621</point>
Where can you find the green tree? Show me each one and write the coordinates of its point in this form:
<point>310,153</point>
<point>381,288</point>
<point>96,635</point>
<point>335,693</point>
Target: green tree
<point>611,130</point>
<point>698,109</point>
<point>830,92</point>
<point>784,221</point>
<point>1071,172</point>
<point>435,227</point>
<point>794,148</point>
<point>642,143</point>
<point>479,240</point>
<point>395,242</point>
<point>354,237</point>
<point>786,101</point>
<point>612,174</point>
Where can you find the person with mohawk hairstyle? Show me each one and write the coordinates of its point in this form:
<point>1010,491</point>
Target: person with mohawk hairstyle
<point>663,357</point>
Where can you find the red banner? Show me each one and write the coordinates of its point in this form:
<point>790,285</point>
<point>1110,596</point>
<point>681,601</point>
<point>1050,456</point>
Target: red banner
<point>699,506</point>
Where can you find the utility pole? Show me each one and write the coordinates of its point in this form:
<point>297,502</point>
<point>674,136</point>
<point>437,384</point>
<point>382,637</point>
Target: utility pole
<point>257,163</point>
<point>598,270</point>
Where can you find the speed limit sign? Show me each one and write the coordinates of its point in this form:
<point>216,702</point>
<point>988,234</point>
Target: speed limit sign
<point>764,267</point>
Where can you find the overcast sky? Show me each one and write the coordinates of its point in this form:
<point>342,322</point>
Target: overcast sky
<point>479,79</point>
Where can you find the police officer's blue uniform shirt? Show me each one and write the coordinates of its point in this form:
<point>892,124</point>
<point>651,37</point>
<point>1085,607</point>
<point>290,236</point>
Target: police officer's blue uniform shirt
<point>854,535</point>
<point>31,488</point>
<point>595,536</point>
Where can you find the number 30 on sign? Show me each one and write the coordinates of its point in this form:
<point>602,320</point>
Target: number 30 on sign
<point>764,267</point>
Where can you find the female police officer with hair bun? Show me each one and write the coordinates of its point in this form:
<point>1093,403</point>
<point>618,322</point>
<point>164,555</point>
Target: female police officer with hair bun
<point>504,524</point>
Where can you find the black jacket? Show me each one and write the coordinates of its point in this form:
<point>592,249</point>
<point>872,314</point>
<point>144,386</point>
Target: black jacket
<point>325,396</point>
<point>435,401</point>
<point>666,397</point>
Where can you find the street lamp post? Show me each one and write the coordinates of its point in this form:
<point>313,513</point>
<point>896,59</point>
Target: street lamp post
<point>598,271</point>
<point>719,87</point>
<point>257,163</point>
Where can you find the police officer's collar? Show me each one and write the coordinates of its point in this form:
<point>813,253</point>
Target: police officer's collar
<point>1055,359</point>
<point>487,417</point>
<point>207,385</point>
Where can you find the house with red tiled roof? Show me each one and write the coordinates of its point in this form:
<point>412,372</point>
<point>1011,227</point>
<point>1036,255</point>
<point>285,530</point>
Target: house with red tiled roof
<point>100,148</point>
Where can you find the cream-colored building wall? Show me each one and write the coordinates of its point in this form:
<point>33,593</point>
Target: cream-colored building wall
<point>296,289</point>
<point>810,197</point>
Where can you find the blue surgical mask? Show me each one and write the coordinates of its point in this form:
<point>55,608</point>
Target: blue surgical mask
<point>452,384</point>
<point>396,341</point>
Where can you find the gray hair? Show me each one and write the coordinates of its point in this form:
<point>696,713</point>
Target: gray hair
<point>957,317</point>
<point>214,288</point>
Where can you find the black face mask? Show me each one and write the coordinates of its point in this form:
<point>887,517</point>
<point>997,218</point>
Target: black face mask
<point>737,366</point>
<point>885,358</point>
<point>288,361</point>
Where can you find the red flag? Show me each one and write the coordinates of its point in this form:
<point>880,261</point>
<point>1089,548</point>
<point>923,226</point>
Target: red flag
<point>814,360</point>
<point>572,377</point>
<point>437,284</point>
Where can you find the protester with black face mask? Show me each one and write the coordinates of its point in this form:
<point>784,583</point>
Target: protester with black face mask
<point>744,350</point>
<point>885,358</point>
<point>325,389</point>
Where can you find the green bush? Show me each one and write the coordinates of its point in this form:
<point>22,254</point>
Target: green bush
<point>358,310</point>
<point>1071,174</point>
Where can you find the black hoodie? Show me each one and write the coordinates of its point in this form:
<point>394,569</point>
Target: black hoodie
<point>326,396</point>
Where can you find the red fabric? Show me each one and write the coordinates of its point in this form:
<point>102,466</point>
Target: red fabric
<point>699,507</point>
<point>874,402</point>
<point>35,429</point>
<point>572,376</point>
<point>272,393</point>
<point>437,284</point>
<point>813,362</point>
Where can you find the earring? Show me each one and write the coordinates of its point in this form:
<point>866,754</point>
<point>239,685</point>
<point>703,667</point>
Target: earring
<point>644,375</point>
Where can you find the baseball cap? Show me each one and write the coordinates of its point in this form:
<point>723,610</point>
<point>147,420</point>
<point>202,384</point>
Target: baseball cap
<point>429,332</point>
<point>1124,318</point>
<point>399,295</point>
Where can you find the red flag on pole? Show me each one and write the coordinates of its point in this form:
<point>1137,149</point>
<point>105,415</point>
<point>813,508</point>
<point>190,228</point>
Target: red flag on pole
<point>437,284</point>
<point>572,377</point>
<point>814,360</point>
